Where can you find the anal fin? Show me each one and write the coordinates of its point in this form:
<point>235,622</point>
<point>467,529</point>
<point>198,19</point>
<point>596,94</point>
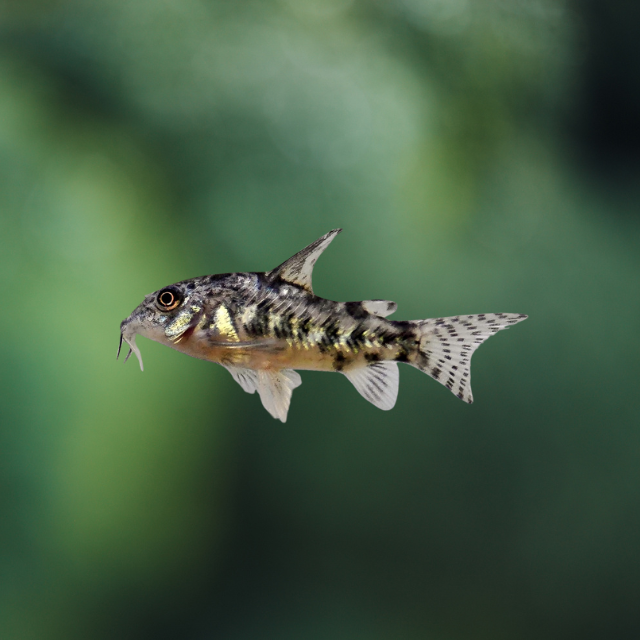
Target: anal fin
<point>377,383</point>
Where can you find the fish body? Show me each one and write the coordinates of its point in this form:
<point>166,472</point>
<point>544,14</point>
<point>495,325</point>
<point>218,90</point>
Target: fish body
<point>263,327</point>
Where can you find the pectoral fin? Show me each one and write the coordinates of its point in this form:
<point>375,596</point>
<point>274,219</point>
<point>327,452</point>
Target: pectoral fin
<point>264,343</point>
<point>377,383</point>
<point>298,269</point>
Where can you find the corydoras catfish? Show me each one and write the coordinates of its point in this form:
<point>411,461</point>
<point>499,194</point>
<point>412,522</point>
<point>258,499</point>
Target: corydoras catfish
<point>263,326</point>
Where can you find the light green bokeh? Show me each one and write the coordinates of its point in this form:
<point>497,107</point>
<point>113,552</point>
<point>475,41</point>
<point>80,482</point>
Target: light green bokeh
<point>142,143</point>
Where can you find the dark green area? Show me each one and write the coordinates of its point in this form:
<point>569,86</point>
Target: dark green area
<point>481,156</point>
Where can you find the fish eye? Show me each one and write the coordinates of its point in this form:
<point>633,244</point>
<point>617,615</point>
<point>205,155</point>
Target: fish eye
<point>168,299</point>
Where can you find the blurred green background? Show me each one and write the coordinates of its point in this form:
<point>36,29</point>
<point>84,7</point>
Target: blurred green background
<point>482,156</point>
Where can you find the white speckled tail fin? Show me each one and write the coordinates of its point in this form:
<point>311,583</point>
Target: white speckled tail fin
<point>447,344</point>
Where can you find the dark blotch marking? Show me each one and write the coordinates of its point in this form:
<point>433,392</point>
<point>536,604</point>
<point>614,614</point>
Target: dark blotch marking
<point>278,330</point>
<point>356,339</point>
<point>330,333</point>
<point>383,338</point>
<point>356,310</point>
<point>339,361</point>
<point>285,325</point>
<point>404,326</point>
<point>372,357</point>
<point>259,324</point>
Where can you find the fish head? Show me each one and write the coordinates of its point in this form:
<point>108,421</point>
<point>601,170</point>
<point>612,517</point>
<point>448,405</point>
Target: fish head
<point>164,316</point>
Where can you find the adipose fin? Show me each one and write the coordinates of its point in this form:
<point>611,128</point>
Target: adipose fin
<point>382,308</point>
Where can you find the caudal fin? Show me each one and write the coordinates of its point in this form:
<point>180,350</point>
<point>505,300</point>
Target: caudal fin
<point>447,344</point>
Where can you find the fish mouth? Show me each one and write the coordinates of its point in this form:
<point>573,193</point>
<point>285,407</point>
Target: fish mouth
<point>128,335</point>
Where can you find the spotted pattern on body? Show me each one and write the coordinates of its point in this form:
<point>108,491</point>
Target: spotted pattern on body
<point>264,326</point>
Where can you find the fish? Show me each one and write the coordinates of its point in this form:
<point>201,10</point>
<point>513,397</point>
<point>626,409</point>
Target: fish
<point>264,327</point>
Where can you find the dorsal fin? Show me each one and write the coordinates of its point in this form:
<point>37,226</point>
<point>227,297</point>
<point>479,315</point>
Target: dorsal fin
<point>298,269</point>
<point>382,308</point>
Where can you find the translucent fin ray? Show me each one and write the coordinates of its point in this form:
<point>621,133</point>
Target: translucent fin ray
<point>377,383</point>
<point>246,378</point>
<point>447,344</point>
<point>299,268</point>
<point>275,389</point>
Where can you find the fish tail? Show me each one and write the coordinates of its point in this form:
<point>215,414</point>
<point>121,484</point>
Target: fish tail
<point>445,347</point>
